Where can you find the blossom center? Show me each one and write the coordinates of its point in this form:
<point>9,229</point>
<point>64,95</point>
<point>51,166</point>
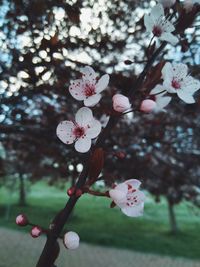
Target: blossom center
<point>89,90</point>
<point>176,84</point>
<point>79,131</point>
<point>157,31</point>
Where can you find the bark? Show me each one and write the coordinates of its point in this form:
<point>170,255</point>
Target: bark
<point>22,192</point>
<point>172,218</point>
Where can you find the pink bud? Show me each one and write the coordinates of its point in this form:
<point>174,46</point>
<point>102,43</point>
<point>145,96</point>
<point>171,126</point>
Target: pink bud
<point>79,192</point>
<point>36,231</point>
<point>71,191</point>
<point>21,220</point>
<point>147,105</point>
<point>120,103</point>
<point>71,240</point>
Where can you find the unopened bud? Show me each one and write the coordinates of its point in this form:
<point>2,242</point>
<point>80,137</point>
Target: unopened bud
<point>79,192</point>
<point>147,105</point>
<point>71,240</point>
<point>36,231</point>
<point>71,191</point>
<point>21,220</point>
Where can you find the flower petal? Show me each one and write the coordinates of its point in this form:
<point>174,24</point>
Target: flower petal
<point>162,101</point>
<point>148,22</point>
<point>88,73</point>
<point>83,116</point>
<point>118,196</point>
<point>185,96</point>
<point>167,26</point>
<point>94,129</point>
<point>180,70</point>
<point>76,89</point>
<point>83,145</point>
<point>102,83</point>
<point>169,37</point>
<point>92,100</point>
<point>134,183</point>
<point>167,72</point>
<point>134,211</point>
<point>190,84</point>
<point>158,89</point>
<point>64,132</point>
<point>157,12</point>
<point>168,86</point>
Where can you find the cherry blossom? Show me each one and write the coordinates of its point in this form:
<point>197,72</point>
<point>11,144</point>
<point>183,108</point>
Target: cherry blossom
<point>148,105</point>
<point>121,103</point>
<point>167,3</point>
<point>81,131</point>
<point>158,94</point>
<point>88,89</point>
<point>129,198</point>
<point>177,81</point>
<point>71,240</point>
<point>161,27</point>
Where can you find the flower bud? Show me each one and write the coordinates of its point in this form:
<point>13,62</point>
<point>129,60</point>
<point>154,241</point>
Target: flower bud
<point>120,103</point>
<point>71,191</point>
<point>79,192</point>
<point>167,3</point>
<point>147,105</point>
<point>36,231</point>
<point>21,220</point>
<point>71,240</point>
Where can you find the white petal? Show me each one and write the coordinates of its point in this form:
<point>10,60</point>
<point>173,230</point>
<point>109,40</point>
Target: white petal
<point>94,130</point>
<point>76,89</point>
<point>88,73</point>
<point>102,83</point>
<point>162,101</point>
<point>122,187</point>
<point>167,26</point>
<point>157,12</point>
<point>149,23</point>
<point>134,211</point>
<point>83,116</point>
<point>134,183</point>
<point>64,132</point>
<point>190,84</point>
<point>158,89</point>
<point>180,70</point>
<point>92,100</point>
<point>168,86</point>
<point>118,196</point>
<point>167,72</point>
<point>185,96</point>
<point>169,37</point>
<point>83,145</point>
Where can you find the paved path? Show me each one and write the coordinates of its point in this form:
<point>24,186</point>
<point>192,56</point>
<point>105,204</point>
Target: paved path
<point>20,250</point>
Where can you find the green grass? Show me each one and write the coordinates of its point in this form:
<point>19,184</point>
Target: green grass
<point>97,223</point>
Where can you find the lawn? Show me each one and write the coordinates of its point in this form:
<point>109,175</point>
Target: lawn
<point>97,223</point>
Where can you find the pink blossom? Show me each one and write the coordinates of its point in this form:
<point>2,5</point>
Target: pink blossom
<point>159,25</point>
<point>81,131</point>
<point>120,103</point>
<point>148,105</point>
<point>129,198</point>
<point>36,231</point>
<point>21,220</point>
<point>71,240</point>
<point>88,89</point>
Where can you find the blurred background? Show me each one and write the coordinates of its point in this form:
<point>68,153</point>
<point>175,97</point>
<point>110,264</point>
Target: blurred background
<point>44,43</point>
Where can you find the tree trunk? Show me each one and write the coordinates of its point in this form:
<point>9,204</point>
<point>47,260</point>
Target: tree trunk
<point>172,218</point>
<point>22,193</point>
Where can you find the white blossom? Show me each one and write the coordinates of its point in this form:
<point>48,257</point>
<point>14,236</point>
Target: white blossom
<point>177,81</point>
<point>158,94</point>
<point>71,240</point>
<point>81,131</point>
<point>129,198</point>
<point>88,89</point>
<point>161,27</point>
